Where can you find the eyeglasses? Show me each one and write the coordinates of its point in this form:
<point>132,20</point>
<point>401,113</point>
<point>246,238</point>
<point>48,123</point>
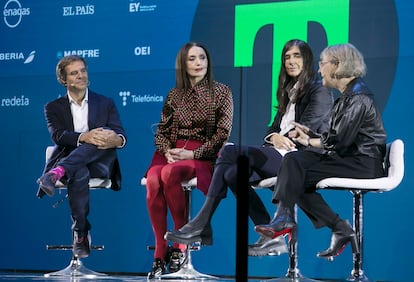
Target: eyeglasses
<point>322,63</point>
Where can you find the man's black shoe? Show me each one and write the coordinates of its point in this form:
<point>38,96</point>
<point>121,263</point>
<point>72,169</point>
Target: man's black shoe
<point>47,183</point>
<point>81,244</point>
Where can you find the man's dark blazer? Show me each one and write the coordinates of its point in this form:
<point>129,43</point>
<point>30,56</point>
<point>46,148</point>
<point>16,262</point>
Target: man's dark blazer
<point>102,112</point>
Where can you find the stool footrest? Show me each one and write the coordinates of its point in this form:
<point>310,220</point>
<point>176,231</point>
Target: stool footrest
<point>70,247</point>
<point>194,247</point>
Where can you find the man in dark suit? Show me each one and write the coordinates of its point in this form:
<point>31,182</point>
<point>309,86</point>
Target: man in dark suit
<point>87,130</point>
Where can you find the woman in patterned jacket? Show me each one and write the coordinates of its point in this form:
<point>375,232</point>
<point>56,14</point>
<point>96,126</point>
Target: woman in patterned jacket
<point>195,123</point>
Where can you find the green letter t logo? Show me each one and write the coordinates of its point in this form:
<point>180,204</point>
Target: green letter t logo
<point>290,20</point>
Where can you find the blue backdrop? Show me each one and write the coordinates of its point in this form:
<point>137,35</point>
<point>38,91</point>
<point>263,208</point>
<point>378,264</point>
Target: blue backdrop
<point>131,47</point>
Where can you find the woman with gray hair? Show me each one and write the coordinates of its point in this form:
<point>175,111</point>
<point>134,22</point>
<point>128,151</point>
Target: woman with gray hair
<point>354,144</point>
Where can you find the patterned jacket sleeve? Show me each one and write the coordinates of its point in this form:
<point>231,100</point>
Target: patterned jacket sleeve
<point>223,123</point>
<point>163,134</point>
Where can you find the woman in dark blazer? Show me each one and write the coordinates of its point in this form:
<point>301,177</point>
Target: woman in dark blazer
<point>354,145</point>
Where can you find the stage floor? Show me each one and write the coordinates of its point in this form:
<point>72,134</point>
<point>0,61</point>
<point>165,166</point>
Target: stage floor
<point>27,276</point>
<point>35,276</point>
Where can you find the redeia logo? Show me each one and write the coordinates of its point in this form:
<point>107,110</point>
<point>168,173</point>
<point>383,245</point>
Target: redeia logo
<point>15,102</point>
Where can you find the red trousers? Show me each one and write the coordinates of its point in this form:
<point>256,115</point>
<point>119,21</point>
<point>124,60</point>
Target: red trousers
<point>164,192</point>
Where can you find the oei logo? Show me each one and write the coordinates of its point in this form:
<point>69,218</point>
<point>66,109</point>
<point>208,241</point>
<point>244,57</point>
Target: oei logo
<point>13,13</point>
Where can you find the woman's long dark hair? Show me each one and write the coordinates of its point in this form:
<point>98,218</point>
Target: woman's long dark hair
<point>304,79</point>
<point>182,81</point>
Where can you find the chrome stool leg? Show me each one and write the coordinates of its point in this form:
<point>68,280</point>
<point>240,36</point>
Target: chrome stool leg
<point>75,269</point>
<point>293,274</point>
<point>357,273</point>
<point>187,270</point>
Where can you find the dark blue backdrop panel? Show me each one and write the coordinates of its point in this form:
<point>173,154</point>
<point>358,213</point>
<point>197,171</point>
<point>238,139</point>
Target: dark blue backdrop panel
<point>131,47</point>
<point>122,35</point>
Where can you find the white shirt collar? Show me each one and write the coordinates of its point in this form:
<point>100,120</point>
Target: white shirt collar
<point>85,99</point>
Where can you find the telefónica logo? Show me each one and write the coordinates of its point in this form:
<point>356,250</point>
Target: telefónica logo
<point>139,98</point>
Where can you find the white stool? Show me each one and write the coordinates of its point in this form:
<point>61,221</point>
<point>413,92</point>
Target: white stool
<point>394,167</point>
<point>187,270</point>
<point>76,269</point>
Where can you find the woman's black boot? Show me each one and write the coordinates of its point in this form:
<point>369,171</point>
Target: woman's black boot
<point>282,223</point>
<point>342,234</point>
<point>198,229</point>
<point>158,269</point>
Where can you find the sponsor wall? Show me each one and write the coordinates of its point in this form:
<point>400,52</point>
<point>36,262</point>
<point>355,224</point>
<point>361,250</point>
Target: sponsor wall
<point>131,47</point>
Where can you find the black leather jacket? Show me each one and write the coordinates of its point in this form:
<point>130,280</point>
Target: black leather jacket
<point>356,126</point>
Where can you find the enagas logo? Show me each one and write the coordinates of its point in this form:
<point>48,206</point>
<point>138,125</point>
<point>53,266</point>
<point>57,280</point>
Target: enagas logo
<point>13,13</point>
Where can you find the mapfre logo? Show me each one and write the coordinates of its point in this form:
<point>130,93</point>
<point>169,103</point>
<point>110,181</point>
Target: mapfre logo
<point>86,53</point>
<point>13,13</point>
